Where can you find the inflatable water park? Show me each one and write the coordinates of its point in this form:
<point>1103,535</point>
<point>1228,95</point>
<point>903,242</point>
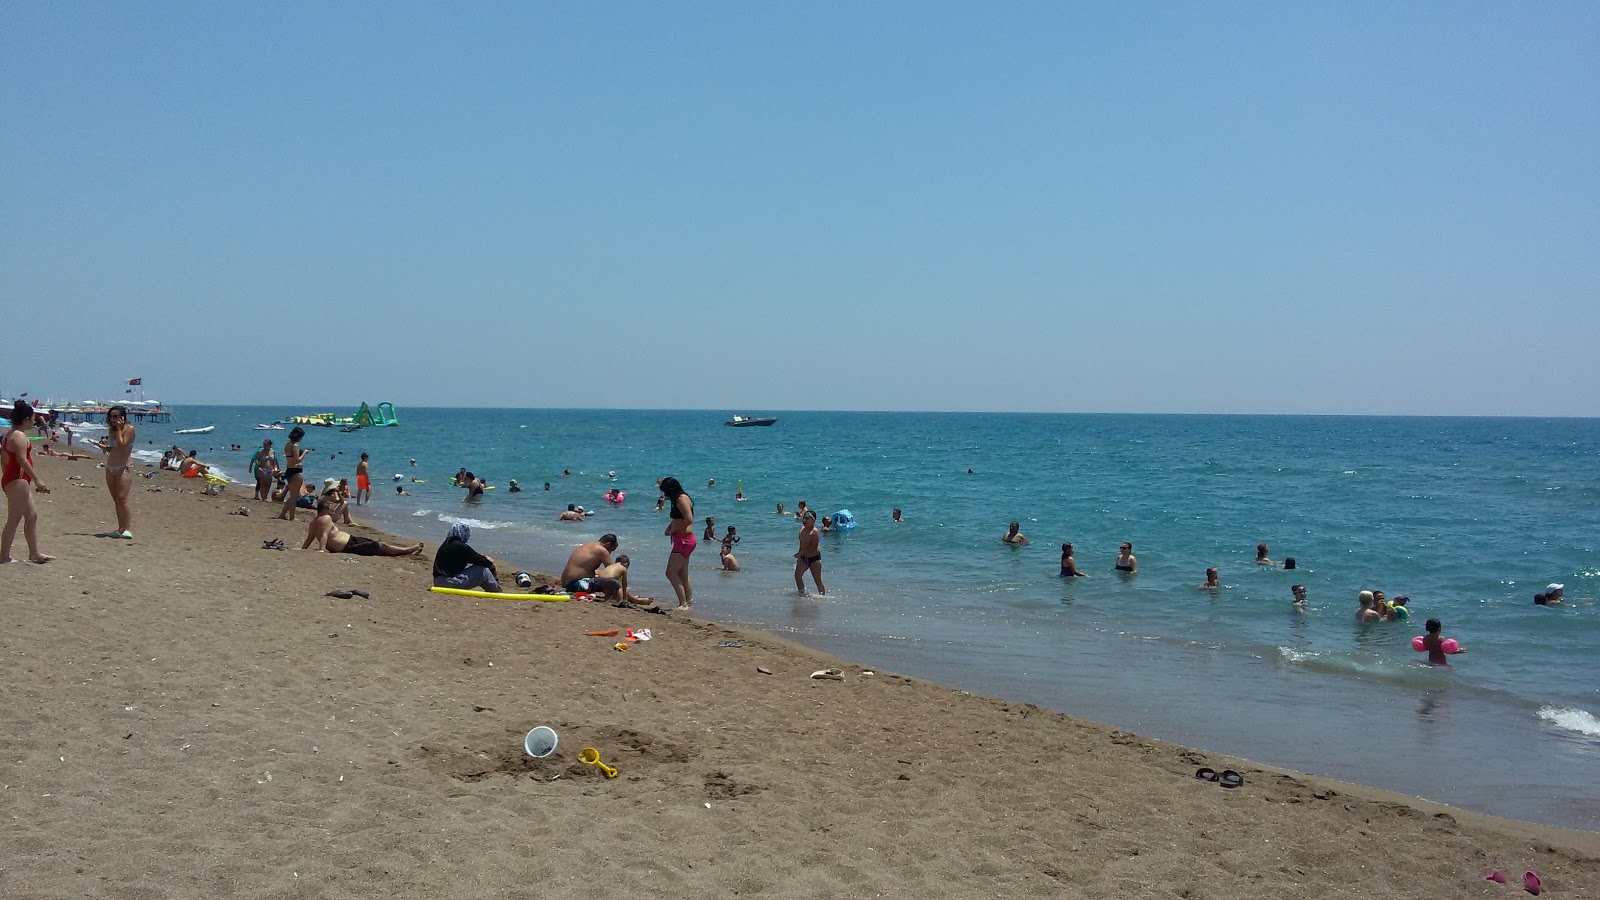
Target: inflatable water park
<point>365,417</point>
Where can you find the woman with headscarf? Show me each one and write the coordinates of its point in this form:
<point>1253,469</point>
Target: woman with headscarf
<point>680,528</point>
<point>457,565</point>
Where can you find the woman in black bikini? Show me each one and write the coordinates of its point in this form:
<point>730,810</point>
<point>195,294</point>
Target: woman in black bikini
<point>1069,566</point>
<point>293,459</point>
<point>1125,561</point>
<point>680,528</point>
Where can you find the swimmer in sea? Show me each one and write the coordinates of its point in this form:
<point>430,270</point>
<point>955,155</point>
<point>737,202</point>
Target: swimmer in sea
<point>1126,563</point>
<point>1288,563</point>
<point>1261,556</point>
<point>1069,566</point>
<point>401,490</point>
<point>1014,536</point>
<point>1552,596</point>
<point>1397,609</point>
<point>1366,613</point>
<point>1299,592</point>
<point>809,558</point>
<point>711,530</point>
<point>897,518</point>
<point>780,510</point>
<point>1212,582</point>
<point>571,515</point>
<point>513,487</point>
<point>1433,642</point>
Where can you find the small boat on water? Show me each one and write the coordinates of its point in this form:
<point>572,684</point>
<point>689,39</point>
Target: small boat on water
<point>748,421</point>
<point>275,426</point>
<point>206,430</point>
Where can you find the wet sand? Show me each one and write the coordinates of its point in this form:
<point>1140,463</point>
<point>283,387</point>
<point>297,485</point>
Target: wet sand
<point>187,715</point>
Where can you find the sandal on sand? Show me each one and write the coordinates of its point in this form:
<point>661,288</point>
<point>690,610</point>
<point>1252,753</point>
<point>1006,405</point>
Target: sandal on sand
<point>273,544</point>
<point>1231,779</point>
<point>1532,884</point>
<point>360,593</point>
<point>828,675</point>
<point>342,595</point>
<point>1206,774</point>
<point>1496,875</point>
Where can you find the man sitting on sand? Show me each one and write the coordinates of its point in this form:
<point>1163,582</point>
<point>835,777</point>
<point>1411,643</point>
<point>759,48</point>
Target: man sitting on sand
<point>327,535</point>
<point>193,468</point>
<point>582,572</point>
<point>571,515</point>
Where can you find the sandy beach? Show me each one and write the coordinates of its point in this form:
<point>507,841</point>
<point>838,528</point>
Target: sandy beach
<point>187,715</point>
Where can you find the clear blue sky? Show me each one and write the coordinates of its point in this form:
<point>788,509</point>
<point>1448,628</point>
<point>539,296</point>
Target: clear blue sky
<point>1144,207</point>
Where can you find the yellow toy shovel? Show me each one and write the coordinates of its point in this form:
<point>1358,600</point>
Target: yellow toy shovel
<point>591,757</point>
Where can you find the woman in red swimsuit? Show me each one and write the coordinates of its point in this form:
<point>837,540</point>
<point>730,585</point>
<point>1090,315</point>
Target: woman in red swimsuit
<point>16,476</point>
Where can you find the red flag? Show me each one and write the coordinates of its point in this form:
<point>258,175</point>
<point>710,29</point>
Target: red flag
<point>136,381</point>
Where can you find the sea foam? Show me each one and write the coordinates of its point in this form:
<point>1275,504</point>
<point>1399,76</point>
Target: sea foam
<point>1580,721</point>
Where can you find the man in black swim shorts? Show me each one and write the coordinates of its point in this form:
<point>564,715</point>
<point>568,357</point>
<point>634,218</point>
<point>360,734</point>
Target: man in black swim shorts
<point>809,558</point>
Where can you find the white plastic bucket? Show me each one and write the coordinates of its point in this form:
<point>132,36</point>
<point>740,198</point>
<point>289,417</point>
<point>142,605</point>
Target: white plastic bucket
<point>540,742</point>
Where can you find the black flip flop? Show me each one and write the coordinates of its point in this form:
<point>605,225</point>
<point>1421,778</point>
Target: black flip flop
<point>360,593</point>
<point>1206,774</point>
<point>342,595</point>
<point>1231,779</point>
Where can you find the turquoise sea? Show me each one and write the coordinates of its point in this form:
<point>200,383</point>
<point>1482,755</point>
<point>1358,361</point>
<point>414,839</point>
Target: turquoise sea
<point>1468,517</point>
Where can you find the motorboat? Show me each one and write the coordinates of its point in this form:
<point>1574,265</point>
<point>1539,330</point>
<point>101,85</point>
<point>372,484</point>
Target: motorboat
<point>748,421</point>
<point>206,430</point>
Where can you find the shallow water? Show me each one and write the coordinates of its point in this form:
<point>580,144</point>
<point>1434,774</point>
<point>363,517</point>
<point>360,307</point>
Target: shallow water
<point>1469,517</point>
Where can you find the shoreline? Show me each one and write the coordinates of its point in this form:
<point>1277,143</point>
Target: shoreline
<point>172,673</point>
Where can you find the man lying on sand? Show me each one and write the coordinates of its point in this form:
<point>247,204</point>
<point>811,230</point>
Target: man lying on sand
<point>327,535</point>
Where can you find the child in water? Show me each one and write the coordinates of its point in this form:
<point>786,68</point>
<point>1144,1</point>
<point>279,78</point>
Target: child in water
<point>1433,642</point>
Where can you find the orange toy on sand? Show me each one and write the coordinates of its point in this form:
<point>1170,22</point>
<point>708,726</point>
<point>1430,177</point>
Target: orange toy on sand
<point>612,633</point>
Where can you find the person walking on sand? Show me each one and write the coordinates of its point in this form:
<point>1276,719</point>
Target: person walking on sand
<point>19,481</point>
<point>263,466</point>
<point>809,557</point>
<point>118,447</point>
<point>294,460</point>
<point>680,529</point>
<point>363,482</point>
